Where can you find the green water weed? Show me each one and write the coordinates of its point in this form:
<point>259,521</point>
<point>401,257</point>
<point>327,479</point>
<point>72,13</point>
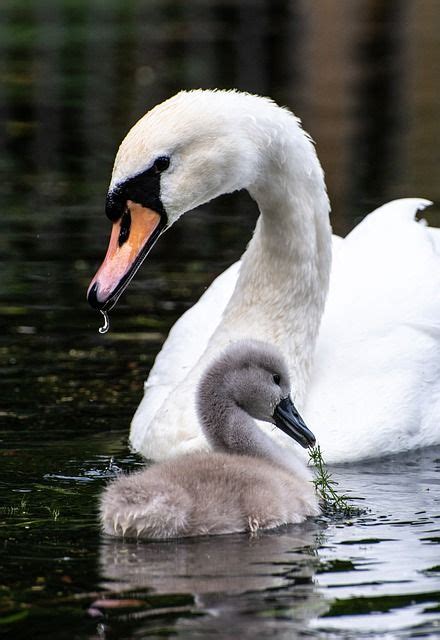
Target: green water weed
<point>54,512</point>
<point>332,502</point>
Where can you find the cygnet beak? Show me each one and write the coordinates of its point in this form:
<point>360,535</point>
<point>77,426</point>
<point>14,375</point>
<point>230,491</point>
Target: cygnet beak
<point>131,239</point>
<point>287,419</point>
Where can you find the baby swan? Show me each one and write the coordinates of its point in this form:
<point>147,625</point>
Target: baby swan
<point>248,482</point>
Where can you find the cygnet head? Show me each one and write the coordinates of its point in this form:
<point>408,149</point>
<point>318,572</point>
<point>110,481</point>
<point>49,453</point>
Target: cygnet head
<point>250,376</point>
<point>186,151</point>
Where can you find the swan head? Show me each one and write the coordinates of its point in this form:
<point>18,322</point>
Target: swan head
<point>252,376</point>
<point>186,151</point>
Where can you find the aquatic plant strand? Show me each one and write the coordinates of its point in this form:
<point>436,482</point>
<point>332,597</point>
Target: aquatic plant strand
<point>332,503</point>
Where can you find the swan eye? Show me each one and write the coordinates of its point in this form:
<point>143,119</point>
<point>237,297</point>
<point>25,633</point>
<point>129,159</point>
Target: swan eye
<point>161,164</point>
<point>276,378</point>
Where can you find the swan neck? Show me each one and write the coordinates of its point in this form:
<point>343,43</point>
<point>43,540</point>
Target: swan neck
<point>284,274</point>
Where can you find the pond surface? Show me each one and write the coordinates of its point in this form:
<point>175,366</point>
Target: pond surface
<point>74,75</point>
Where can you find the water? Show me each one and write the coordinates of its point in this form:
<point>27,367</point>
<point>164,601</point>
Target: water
<point>323,577</point>
<point>74,75</point>
<point>106,326</point>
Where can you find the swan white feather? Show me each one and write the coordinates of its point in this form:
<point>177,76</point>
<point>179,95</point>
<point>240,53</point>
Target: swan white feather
<point>375,386</point>
<point>376,380</point>
<point>372,386</point>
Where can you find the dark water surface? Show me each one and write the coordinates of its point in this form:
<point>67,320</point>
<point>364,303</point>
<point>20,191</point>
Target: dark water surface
<point>74,75</point>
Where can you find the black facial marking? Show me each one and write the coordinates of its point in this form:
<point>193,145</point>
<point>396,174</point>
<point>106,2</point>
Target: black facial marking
<point>144,189</point>
<point>125,227</point>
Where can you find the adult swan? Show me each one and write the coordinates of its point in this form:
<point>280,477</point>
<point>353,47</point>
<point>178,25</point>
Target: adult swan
<point>372,386</point>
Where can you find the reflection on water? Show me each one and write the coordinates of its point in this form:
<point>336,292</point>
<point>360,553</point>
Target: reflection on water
<point>227,564</point>
<point>238,582</point>
<point>325,576</point>
<point>392,550</point>
<point>74,75</point>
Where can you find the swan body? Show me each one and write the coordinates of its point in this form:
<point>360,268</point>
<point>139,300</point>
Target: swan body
<point>375,381</point>
<point>247,483</point>
<point>367,374</point>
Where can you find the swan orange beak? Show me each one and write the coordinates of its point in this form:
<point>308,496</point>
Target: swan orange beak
<point>131,239</point>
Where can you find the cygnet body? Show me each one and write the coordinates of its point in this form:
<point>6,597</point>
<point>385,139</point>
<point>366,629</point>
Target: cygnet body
<point>247,482</point>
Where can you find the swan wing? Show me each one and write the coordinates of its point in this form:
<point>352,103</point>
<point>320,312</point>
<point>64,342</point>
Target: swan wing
<point>375,388</point>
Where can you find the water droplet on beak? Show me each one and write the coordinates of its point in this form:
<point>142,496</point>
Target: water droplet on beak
<point>106,326</point>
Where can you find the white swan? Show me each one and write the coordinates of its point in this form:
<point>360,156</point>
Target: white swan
<point>373,387</point>
<point>247,483</point>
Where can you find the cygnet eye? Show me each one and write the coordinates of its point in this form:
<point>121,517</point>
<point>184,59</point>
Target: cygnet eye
<point>161,164</point>
<point>276,378</point>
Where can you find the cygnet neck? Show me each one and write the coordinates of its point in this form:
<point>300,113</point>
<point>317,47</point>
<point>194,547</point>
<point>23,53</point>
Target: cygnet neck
<point>285,270</point>
<point>230,429</point>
